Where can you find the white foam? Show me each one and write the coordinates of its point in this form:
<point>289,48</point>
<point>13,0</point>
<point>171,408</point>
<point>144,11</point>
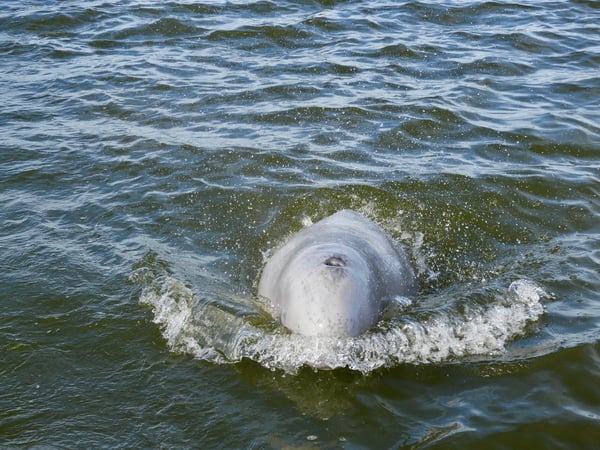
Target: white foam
<point>306,221</point>
<point>213,333</point>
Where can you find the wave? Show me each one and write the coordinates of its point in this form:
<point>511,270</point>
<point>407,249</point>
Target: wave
<point>221,331</point>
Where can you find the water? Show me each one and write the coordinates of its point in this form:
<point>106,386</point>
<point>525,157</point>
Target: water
<point>152,155</point>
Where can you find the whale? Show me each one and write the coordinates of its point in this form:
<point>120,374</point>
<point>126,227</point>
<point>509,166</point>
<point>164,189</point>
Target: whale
<point>336,277</point>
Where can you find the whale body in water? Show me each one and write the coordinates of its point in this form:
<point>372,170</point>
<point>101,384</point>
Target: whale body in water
<point>336,277</point>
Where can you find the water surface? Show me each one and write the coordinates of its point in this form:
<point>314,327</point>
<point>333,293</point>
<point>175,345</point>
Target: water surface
<point>153,154</point>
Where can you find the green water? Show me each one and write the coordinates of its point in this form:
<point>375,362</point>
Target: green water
<point>152,155</point>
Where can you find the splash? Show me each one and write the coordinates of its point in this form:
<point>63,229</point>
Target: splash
<point>482,324</point>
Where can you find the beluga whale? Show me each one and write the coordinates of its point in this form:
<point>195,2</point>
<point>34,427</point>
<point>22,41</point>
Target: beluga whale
<point>336,277</point>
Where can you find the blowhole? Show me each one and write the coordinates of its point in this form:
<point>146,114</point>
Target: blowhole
<point>335,261</point>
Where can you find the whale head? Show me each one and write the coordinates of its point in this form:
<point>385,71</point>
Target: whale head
<point>326,290</point>
<point>335,277</point>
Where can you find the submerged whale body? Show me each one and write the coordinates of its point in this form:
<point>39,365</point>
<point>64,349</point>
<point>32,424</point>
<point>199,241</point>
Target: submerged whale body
<point>335,277</point>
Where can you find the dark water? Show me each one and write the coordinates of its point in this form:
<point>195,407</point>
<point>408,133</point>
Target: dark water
<point>152,154</point>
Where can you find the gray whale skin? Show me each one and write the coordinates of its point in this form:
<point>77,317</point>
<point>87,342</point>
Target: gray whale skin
<point>335,277</point>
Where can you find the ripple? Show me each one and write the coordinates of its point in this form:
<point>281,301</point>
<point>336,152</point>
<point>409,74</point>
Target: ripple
<point>205,133</point>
